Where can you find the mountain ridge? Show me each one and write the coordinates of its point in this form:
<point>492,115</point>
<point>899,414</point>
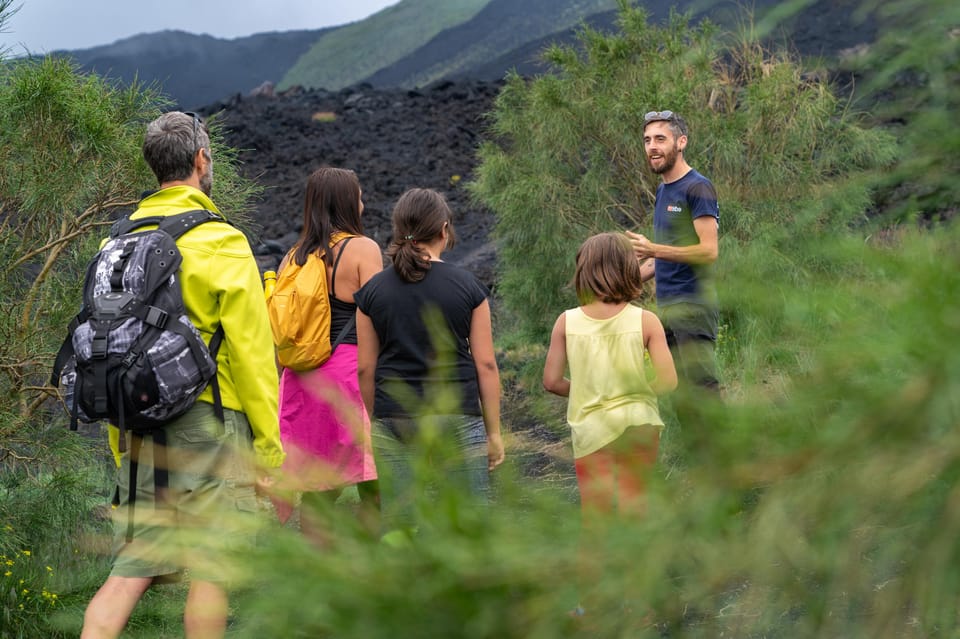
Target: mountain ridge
<point>347,54</point>
<point>196,70</point>
<point>501,25</point>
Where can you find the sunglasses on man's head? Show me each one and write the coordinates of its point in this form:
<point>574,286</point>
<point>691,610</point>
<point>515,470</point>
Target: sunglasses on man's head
<point>653,116</point>
<point>197,123</point>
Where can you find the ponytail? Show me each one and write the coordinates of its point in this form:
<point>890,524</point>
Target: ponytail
<point>418,216</point>
<point>410,260</point>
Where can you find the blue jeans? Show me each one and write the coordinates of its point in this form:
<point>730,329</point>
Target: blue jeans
<point>422,460</point>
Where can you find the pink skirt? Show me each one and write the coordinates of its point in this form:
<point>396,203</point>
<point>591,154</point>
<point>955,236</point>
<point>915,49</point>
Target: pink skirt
<point>324,426</point>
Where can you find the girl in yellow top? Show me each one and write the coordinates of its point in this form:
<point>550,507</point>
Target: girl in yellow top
<point>612,410</point>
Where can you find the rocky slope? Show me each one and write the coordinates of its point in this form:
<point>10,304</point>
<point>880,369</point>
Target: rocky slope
<point>396,139</point>
<point>393,139</point>
<point>818,29</point>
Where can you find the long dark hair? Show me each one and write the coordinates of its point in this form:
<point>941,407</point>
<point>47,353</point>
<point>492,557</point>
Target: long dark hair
<point>332,203</point>
<point>418,217</point>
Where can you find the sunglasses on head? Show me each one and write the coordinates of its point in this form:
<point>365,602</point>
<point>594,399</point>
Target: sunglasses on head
<point>197,123</point>
<point>653,116</point>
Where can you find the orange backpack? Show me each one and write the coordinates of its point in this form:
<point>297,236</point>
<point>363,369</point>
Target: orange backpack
<point>299,310</point>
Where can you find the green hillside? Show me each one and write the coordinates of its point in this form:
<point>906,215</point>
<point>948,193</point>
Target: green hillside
<point>353,52</point>
<point>496,37</point>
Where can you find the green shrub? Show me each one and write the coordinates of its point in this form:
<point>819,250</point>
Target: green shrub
<point>70,161</point>
<point>25,593</point>
<point>911,78</point>
<point>46,543</point>
<point>567,159</point>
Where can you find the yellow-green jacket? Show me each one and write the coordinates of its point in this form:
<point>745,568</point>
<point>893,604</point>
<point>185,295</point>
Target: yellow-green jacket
<point>221,285</point>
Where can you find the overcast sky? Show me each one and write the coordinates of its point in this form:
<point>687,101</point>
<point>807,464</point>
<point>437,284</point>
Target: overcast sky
<point>42,26</point>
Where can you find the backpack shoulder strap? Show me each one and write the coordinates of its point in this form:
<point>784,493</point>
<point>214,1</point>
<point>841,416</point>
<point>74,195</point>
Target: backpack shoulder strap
<point>286,260</point>
<point>337,236</point>
<point>173,225</point>
<point>177,225</point>
<point>333,288</point>
<point>336,263</point>
<point>125,225</point>
<point>66,349</point>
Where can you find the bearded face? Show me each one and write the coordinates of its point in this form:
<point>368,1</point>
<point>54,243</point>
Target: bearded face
<point>663,159</point>
<point>662,145</point>
<point>206,179</point>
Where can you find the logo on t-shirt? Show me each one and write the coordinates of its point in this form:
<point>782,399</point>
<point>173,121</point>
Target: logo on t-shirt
<point>674,208</point>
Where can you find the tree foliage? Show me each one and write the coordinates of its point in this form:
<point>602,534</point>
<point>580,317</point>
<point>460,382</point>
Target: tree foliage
<point>69,157</point>
<point>567,155</point>
<point>912,80</point>
<point>70,162</point>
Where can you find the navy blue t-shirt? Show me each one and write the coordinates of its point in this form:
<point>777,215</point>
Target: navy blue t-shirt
<point>678,204</point>
<point>424,332</point>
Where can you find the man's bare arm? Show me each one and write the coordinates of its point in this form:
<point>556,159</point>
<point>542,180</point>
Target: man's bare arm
<point>704,252</point>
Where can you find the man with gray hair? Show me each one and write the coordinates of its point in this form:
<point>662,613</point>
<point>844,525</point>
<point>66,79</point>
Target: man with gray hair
<point>213,465</point>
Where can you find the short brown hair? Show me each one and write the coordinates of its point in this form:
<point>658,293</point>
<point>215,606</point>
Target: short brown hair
<point>607,270</point>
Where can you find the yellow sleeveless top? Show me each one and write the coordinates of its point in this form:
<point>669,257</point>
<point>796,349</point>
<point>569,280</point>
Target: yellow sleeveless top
<point>609,391</point>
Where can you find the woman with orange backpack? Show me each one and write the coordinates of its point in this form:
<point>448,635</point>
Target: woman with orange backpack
<point>323,423</point>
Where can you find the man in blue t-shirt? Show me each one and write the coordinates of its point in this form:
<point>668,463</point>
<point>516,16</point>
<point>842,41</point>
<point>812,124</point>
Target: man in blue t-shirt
<point>685,246</point>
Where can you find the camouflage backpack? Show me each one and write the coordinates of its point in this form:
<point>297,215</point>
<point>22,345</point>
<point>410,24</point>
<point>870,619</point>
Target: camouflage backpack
<point>132,355</point>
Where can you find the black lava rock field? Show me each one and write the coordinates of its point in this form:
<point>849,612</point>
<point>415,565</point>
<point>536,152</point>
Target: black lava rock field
<point>393,139</point>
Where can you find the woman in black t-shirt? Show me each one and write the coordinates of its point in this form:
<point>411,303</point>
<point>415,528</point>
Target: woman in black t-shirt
<point>426,362</point>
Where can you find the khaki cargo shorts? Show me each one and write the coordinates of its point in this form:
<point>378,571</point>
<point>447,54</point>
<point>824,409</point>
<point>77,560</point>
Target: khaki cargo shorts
<point>210,511</point>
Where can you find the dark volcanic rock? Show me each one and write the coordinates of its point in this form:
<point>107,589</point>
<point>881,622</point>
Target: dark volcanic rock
<point>396,138</point>
<point>393,139</point>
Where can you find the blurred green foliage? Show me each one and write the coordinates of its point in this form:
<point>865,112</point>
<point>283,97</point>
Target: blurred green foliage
<point>910,79</point>
<point>825,507</point>
<point>823,502</point>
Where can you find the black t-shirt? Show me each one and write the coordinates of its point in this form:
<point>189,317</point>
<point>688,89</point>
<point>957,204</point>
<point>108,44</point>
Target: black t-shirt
<point>678,204</point>
<point>425,365</point>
